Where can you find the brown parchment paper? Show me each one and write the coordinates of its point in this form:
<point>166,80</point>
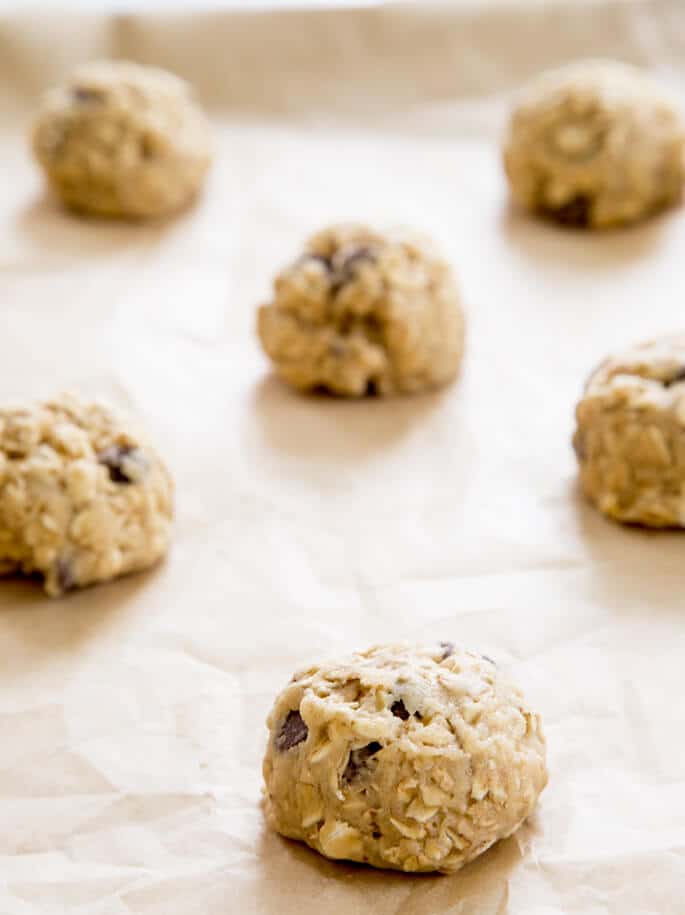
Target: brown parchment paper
<point>132,715</point>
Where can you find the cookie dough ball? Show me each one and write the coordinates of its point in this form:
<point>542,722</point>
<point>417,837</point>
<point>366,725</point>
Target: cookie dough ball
<point>83,498</point>
<point>405,758</point>
<point>363,313</point>
<point>630,436</point>
<point>122,140</point>
<point>595,144</point>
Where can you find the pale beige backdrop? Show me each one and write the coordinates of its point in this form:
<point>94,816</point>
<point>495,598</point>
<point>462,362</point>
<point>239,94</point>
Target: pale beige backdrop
<point>131,716</point>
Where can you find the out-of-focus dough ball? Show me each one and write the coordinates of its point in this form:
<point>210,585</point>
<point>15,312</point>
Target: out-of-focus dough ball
<point>595,144</point>
<point>122,140</point>
<point>630,435</point>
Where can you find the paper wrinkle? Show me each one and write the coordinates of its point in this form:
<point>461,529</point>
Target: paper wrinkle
<point>133,714</point>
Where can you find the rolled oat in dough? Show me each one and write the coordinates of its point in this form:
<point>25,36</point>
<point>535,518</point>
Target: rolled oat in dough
<point>595,144</point>
<point>630,435</point>
<point>363,313</point>
<point>83,497</point>
<point>122,140</point>
<point>416,759</point>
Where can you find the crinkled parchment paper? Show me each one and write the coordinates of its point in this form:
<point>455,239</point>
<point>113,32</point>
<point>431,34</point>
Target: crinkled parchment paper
<point>132,714</point>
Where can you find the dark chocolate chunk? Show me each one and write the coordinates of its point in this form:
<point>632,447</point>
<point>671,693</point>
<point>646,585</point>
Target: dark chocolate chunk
<point>320,390</point>
<point>82,94</point>
<point>361,253</point>
<point>114,459</point>
<point>293,731</point>
<point>359,759</point>
<point>345,268</point>
<point>575,213</point>
<point>65,576</point>
<point>399,710</point>
<point>674,379</point>
<point>447,649</point>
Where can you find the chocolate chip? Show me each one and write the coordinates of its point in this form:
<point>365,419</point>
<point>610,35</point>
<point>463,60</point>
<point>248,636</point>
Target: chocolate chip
<point>361,253</point>
<point>447,649</point>
<point>376,834</point>
<point>320,390</point>
<point>65,576</point>
<point>293,731</point>
<point>575,213</point>
<point>344,269</point>
<point>82,94</point>
<point>399,710</point>
<point>674,379</point>
<point>115,459</point>
<point>359,759</point>
<point>371,388</point>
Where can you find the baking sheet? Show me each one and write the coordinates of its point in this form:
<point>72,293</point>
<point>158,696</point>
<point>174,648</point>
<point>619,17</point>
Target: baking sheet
<point>132,714</point>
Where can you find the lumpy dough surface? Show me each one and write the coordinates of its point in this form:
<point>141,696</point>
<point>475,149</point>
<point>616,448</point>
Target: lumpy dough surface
<point>595,144</point>
<point>122,140</point>
<point>416,759</point>
<point>630,435</point>
<point>83,497</point>
<point>360,312</point>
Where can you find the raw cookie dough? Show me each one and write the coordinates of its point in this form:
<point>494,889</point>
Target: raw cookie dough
<point>362,313</point>
<point>416,759</point>
<point>122,140</point>
<point>630,436</point>
<point>83,498</point>
<point>595,144</point>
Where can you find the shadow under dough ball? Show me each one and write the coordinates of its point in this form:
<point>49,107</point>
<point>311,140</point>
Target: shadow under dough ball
<point>83,497</point>
<point>122,140</point>
<point>630,435</point>
<point>415,759</point>
<point>364,313</point>
<point>595,144</point>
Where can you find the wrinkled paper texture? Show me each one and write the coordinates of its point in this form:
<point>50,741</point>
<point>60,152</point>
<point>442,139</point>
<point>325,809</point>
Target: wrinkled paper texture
<point>132,715</point>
